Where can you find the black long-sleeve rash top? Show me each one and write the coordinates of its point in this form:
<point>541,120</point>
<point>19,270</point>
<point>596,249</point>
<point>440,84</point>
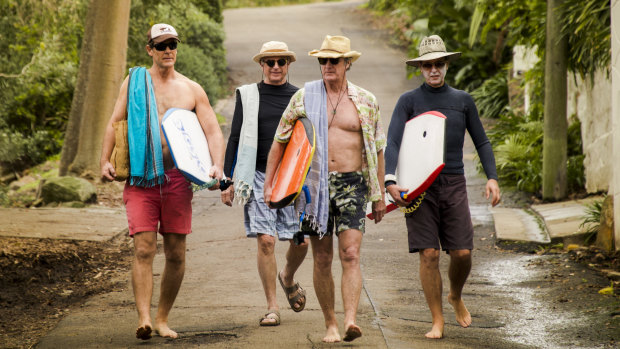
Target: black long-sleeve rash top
<point>273,101</point>
<point>461,112</point>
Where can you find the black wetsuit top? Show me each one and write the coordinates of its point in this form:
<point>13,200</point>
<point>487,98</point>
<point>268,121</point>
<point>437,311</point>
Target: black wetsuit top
<point>461,112</point>
<point>273,101</point>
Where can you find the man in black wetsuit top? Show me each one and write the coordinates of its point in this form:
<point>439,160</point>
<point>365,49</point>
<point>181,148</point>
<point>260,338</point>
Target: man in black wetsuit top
<point>442,220</point>
<point>257,113</point>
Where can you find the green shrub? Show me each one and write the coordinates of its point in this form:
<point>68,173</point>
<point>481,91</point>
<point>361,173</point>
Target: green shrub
<point>201,54</point>
<point>18,152</point>
<point>492,96</point>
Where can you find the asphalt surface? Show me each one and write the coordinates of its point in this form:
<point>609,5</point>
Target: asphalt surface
<point>221,298</point>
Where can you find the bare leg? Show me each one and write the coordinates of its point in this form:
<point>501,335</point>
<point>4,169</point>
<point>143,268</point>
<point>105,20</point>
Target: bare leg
<point>323,254</point>
<point>460,266</point>
<point>349,243</point>
<point>266,261</point>
<point>431,283</point>
<point>294,257</point>
<point>145,247</point>
<point>174,270</point>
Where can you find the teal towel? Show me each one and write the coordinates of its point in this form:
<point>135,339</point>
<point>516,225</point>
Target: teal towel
<point>145,155</point>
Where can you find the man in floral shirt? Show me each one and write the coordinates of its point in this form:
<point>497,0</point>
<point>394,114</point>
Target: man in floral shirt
<point>346,172</point>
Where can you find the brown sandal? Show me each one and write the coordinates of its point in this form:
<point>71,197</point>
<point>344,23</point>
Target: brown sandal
<point>270,315</point>
<point>301,295</point>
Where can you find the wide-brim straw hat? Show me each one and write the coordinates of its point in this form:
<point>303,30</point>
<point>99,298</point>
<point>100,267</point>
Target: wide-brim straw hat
<point>431,48</point>
<point>335,47</point>
<point>274,49</point>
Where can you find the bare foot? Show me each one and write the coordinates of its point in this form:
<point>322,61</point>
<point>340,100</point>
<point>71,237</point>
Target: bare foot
<point>332,335</point>
<point>352,333</point>
<point>144,332</point>
<point>164,331</point>
<point>463,317</point>
<point>436,331</point>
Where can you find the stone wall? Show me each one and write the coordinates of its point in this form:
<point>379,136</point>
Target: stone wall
<point>590,100</point>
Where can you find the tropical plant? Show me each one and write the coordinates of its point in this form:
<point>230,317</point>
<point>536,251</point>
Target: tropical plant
<point>592,219</point>
<point>492,96</point>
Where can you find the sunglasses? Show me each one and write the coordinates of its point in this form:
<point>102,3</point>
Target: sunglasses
<point>438,65</point>
<point>162,46</point>
<point>272,62</point>
<point>333,61</point>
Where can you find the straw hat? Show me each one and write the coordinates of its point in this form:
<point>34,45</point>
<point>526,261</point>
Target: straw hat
<point>431,48</point>
<point>335,47</point>
<point>274,49</point>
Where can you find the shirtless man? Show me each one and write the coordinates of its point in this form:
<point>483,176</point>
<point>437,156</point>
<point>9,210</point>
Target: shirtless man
<point>349,173</point>
<point>160,196</point>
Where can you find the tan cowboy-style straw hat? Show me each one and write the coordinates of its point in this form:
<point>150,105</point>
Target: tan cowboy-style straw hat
<point>431,48</point>
<point>274,49</point>
<point>335,47</point>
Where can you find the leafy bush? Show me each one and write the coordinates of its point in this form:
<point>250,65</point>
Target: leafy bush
<point>19,152</point>
<point>40,50</point>
<point>201,54</point>
<point>492,96</point>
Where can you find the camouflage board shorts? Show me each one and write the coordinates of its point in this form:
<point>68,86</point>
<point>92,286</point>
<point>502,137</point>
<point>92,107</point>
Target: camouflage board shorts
<point>347,202</point>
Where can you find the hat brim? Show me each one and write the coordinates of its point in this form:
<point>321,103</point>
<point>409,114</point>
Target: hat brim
<point>450,56</point>
<point>164,37</point>
<point>289,54</point>
<point>333,54</point>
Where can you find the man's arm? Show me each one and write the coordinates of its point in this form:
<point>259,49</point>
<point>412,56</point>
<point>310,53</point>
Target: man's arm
<point>120,111</point>
<point>400,116</point>
<point>378,207</point>
<point>213,133</point>
<point>275,156</point>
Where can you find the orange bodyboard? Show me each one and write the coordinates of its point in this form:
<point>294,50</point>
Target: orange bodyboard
<point>291,173</point>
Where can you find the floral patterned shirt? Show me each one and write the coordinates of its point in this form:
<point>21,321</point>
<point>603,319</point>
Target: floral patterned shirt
<point>372,131</point>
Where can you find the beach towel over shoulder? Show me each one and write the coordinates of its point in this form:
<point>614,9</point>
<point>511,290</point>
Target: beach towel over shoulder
<point>145,154</point>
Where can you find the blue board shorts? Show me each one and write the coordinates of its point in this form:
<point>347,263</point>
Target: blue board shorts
<point>260,219</point>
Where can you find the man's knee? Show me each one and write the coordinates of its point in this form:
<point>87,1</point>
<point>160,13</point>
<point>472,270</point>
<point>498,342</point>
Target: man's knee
<point>266,244</point>
<point>460,255</point>
<point>145,247</point>
<point>350,254</point>
<point>429,257</point>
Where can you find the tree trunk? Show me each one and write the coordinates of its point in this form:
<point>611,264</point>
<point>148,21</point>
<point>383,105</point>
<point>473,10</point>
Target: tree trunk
<point>102,68</point>
<point>555,124</point>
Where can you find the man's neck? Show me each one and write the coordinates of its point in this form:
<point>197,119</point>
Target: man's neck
<point>335,86</point>
<point>162,73</point>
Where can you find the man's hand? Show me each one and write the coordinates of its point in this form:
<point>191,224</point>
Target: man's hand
<point>394,191</point>
<point>267,195</point>
<point>108,173</point>
<point>228,195</point>
<point>378,210</point>
<point>492,190</point>
<point>216,173</point>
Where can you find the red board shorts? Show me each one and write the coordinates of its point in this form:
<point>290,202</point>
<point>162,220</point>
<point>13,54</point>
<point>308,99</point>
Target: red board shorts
<point>442,220</point>
<point>167,206</point>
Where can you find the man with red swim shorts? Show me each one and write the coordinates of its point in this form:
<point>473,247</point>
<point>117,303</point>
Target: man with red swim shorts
<point>157,197</point>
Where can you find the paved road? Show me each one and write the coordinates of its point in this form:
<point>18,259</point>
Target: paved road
<point>221,299</point>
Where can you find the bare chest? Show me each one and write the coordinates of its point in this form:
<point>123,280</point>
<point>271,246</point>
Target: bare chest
<point>173,95</point>
<point>343,117</point>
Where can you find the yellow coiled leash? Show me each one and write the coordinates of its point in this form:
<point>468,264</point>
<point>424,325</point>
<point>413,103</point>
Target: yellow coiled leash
<point>415,206</point>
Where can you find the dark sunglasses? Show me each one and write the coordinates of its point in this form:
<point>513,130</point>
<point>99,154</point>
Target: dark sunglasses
<point>333,61</point>
<point>162,46</point>
<point>272,62</point>
<point>438,65</point>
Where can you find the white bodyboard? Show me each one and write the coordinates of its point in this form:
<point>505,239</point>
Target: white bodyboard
<point>188,145</point>
<point>421,157</point>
